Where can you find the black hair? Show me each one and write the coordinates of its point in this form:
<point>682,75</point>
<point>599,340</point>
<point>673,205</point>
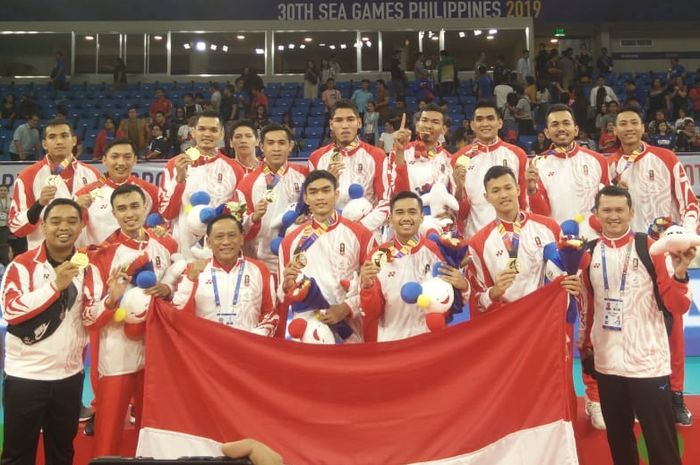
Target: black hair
<point>275,127</point>
<point>315,175</point>
<point>405,195</point>
<point>209,114</point>
<point>58,122</point>
<point>437,109</point>
<point>487,104</point>
<point>344,103</point>
<point>223,217</point>
<point>119,141</point>
<point>124,189</point>
<point>56,202</point>
<point>497,171</point>
<point>244,123</point>
<point>631,108</point>
<point>612,191</point>
<point>560,107</point>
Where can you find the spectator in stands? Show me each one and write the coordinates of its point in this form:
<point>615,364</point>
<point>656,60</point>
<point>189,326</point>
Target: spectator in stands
<point>447,73</point>
<point>261,119</point>
<point>682,115</point>
<point>161,103</point>
<point>657,98</point>
<point>229,105</point>
<point>522,67</point>
<point>370,124</point>
<point>26,144</point>
<point>605,62</point>
<point>159,146</point>
<point>601,94</point>
<point>542,99</point>
<point>386,140</point>
<point>553,73</point>
<point>688,137</point>
<point>509,131</point>
<point>424,91</point>
<point>258,99</point>
<point>58,73</point>
<point>462,137</point>
<point>162,122</point>
<point>609,116</point>
<point>174,127</point>
<point>331,95</point>
<point>4,213</point>
<point>362,96</point>
<point>652,127</point>
<point>252,80</point>
<point>382,102</point>
<point>334,65</point>
<point>398,112</point>
<point>8,111</point>
<point>678,95</point>
<point>311,75</point>
<point>501,72</point>
<point>190,106</point>
<point>288,124</point>
<point>567,68</point>
<point>585,141</point>
<point>664,137</point>
<point>215,98</point>
<point>632,91</point>
<point>523,113</point>
<point>398,76</point>
<point>541,62</point>
<point>185,135</point>
<point>244,141</point>
<point>480,61</point>
<point>25,107</point>
<point>677,70</point>
<point>584,62</point>
<point>607,142</point>
<point>501,91</point>
<point>419,69</point>
<point>326,72</point>
<point>694,96</point>
<point>104,136</point>
<point>541,144</point>
<point>484,85</point>
<point>119,74</point>
<point>243,99</point>
<point>135,129</point>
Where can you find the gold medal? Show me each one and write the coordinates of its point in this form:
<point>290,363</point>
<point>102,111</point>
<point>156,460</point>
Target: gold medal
<point>379,257</point>
<point>269,196</point>
<point>514,265</point>
<point>463,161</point>
<point>300,259</point>
<point>96,194</point>
<point>336,157</point>
<point>80,260</point>
<point>193,153</point>
<point>52,180</point>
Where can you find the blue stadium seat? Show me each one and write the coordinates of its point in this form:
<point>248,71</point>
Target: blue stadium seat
<point>299,120</point>
<point>527,141</point>
<point>314,132</point>
<point>316,121</point>
<point>312,143</point>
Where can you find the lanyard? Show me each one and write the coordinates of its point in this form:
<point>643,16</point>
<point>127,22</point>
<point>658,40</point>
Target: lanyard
<point>271,179</point>
<point>310,233</point>
<point>405,248</point>
<point>623,279</point>
<point>58,169</point>
<point>630,159</point>
<point>215,285</point>
<point>511,241</point>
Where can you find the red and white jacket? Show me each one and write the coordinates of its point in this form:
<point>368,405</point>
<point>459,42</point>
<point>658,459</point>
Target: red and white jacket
<point>640,349</point>
<point>287,191</point>
<point>395,318</point>
<point>27,190</point>
<point>419,173</point>
<point>568,185</point>
<point>474,208</point>
<point>118,354</point>
<point>246,170</point>
<point>27,290</point>
<point>659,186</point>
<point>255,310</point>
<point>367,166</point>
<point>489,257</point>
<point>336,255</point>
<point>100,222</point>
<point>219,176</point>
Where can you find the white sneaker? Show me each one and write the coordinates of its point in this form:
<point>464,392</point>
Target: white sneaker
<point>594,412</point>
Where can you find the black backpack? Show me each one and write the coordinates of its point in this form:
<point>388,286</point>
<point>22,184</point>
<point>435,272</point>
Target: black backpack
<point>640,246</point>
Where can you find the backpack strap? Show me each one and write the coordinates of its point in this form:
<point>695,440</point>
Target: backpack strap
<point>642,249</point>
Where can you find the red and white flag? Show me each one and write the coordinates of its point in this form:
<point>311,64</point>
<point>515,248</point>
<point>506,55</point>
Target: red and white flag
<point>494,391</point>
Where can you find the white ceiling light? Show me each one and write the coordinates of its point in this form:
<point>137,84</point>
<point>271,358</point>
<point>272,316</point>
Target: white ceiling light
<point>187,46</point>
<point>213,47</point>
<point>259,51</point>
<point>291,46</point>
<point>554,41</point>
<point>308,39</point>
<point>435,38</point>
<point>477,32</point>
<point>280,47</point>
<point>200,46</point>
<point>368,43</point>
<point>343,46</point>
<point>240,37</point>
<point>462,34</point>
<point>157,37</point>
<point>302,46</point>
<point>321,44</point>
<point>332,47</point>
<point>89,37</point>
<point>224,48</point>
<point>365,39</point>
<point>490,37</point>
<point>493,31</point>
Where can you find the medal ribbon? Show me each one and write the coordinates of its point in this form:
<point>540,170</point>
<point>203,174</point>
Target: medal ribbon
<point>215,286</point>
<point>59,168</point>
<point>511,240</point>
<point>405,248</point>
<point>347,150</point>
<point>311,234</point>
<point>628,162</point>
<point>623,279</point>
<point>555,149</point>
<point>271,179</point>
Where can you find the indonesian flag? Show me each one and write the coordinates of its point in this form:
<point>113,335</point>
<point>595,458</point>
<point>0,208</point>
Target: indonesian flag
<point>493,391</point>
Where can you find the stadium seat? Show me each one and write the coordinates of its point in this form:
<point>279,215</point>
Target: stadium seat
<point>315,132</point>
